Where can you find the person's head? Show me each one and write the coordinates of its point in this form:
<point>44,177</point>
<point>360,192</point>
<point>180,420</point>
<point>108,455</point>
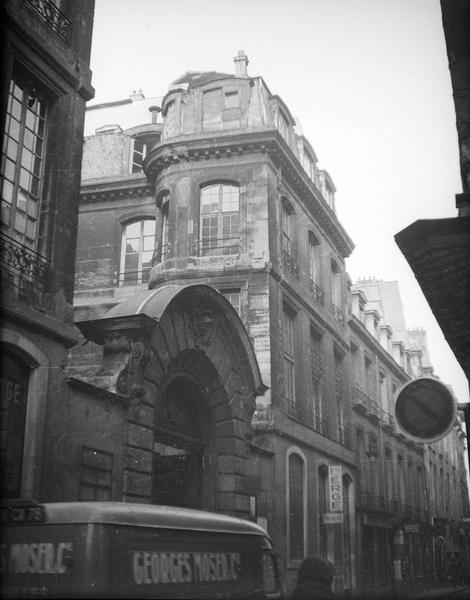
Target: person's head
<point>316,569</point>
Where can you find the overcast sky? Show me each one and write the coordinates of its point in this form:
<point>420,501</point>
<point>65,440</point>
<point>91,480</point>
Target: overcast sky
<point>369,81</point>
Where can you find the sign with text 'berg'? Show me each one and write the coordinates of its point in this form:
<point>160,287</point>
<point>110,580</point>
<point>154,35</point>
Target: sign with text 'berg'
<point>425,409</point>
<point>336,488</point>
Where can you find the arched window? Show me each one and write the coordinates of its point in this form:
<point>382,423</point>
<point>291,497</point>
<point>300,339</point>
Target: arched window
<point>138,243</point>
<point>220,220</point>
<point>296,505</point>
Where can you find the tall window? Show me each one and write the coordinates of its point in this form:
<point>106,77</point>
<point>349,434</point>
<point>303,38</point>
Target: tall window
<point>286,217</point>
<point>289,357</point>
<point>96,469</point>
<point>220,220</point>
<point>313,259</point>
<point>139,151</point>
<point>339,394</point>
<point>319,423</point>
<point>297,506</point>
<point>138,243</point>
<point>22,161</point>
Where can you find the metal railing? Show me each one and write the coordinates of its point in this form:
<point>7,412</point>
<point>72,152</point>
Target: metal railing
<point>53,17</point>
<point>160,254</point>
<point>361,399</point>
<point>223,247</point>
<point>317,292</point>
<point>290,263</point>
<point>294,410</point>
<point>24,273</point>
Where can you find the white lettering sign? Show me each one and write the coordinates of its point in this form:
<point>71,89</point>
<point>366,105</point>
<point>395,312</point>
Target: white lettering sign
<point>44,558</point>
<point>332,517</point>
<point>336,488</point>
<point>184,567</point>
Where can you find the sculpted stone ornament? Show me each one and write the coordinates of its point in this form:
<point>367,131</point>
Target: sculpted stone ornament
<point>201,322</point>
<point>129,381</point>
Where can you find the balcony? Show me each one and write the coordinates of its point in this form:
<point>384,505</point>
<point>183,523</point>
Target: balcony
<point>48,12</point>
<point>363,403</point>
<point>295,411</point>
<point>290,263</point>
<point>317,292</point>
<point>160,254</point>
<point>24,273</point>
<point>228,247</point>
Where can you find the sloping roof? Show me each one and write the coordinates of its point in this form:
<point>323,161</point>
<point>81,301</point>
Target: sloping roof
<point>195,78</point>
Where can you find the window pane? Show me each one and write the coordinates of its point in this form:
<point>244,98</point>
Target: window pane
<point>230,198</point>
<point>149,227</point>
<point>7,191</point>
<point>132,246</point>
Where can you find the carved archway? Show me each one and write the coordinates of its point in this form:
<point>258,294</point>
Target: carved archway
<point>174,337</point>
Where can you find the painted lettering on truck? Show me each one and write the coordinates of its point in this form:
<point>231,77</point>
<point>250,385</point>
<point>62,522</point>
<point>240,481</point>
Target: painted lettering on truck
<point>184,567</point>
<point>43,558</point>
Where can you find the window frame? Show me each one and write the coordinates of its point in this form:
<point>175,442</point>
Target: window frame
<point>219,219</point>
<point>140,280</point>
<point>31,130</point>
<point>138,165</point>
<point>295,451</point>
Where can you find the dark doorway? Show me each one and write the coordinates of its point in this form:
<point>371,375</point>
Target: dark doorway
<point>181,438</point>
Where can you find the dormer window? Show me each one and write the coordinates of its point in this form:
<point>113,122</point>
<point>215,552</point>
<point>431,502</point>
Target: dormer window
<point>139,152</point>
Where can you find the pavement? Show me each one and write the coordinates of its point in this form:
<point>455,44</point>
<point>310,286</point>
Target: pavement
<point>444,593</point>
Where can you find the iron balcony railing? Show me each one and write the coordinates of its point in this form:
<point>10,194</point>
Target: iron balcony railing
<point>228,246</point>
<point>160,254</point>
<point>24,273</point>
<point>52,17</point>
<point>290,263</point>
<point>317,292</point>
<point>362,400</point>
<point>294,410</point>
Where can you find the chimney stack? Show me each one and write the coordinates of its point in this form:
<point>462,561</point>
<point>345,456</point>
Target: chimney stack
<point>241,63</point>
<point>154,110</point>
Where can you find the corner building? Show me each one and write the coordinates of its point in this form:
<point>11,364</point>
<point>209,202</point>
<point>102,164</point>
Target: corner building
<point>45,84</point>
<point>230,370</point>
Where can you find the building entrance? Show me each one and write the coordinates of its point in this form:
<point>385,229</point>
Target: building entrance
<point>181,426</point>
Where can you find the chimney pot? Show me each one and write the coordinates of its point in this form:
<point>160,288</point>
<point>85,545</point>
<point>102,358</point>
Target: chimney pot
<point>241,63</point>
<point>154,110</point>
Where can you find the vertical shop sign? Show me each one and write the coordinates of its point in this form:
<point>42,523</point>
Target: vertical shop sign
<point>336,488</point>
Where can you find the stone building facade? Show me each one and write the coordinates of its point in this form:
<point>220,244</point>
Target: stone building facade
<point>219,361</point>
<point>45,85</point>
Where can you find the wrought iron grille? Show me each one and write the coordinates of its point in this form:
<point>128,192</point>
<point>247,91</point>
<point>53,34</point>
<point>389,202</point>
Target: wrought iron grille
<point>294,410</point>
<point>372,407</point>
<point>22,270</point>
<point>317,292</point>
<point>53,17</point>
<point>290,263</point>
<point>160,254</point>
<point>228,246</point>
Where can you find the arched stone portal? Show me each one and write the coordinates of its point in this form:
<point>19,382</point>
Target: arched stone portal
<point>183,357</point>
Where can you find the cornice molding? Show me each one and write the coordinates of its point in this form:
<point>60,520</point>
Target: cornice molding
<point>115,189</point>
<point>187,149</point>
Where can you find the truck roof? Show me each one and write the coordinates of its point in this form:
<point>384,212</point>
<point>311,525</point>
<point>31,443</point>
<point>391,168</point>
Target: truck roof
<point>148,515</point>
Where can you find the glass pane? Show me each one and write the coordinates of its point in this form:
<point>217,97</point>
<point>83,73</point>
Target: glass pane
<point>14,129</point>
<point>149,227</point>
<point>149,242</point>
<point>24,179</point>
<point>7,192</point>
<point>16,110</point>
<point>146,259</point>
<point>27,159</point>
<point>230,198</point>
<point>30,229</point>
<point>28,139</point>
<point>12,149</point>
<point>17,91</point>
<point>133,230</point>
<point>21,202</point>
<point>34,186</point>
<point>5,213</point>
<point>9,170</point>
<point>131,263</point>
<point>20,222</point>
<point>32,208</point>
<point>132,246</point>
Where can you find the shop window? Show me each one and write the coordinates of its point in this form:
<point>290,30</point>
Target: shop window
<point>96,469</point>
<point>220,220</point>
<point>297,509</point>
<point>14,380</point>
<point>139,152</point>
<point>23,161</point>
<point>138,243</point>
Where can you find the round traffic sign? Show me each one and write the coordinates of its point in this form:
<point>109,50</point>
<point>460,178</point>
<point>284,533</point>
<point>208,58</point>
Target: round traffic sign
<point>425,409</point>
